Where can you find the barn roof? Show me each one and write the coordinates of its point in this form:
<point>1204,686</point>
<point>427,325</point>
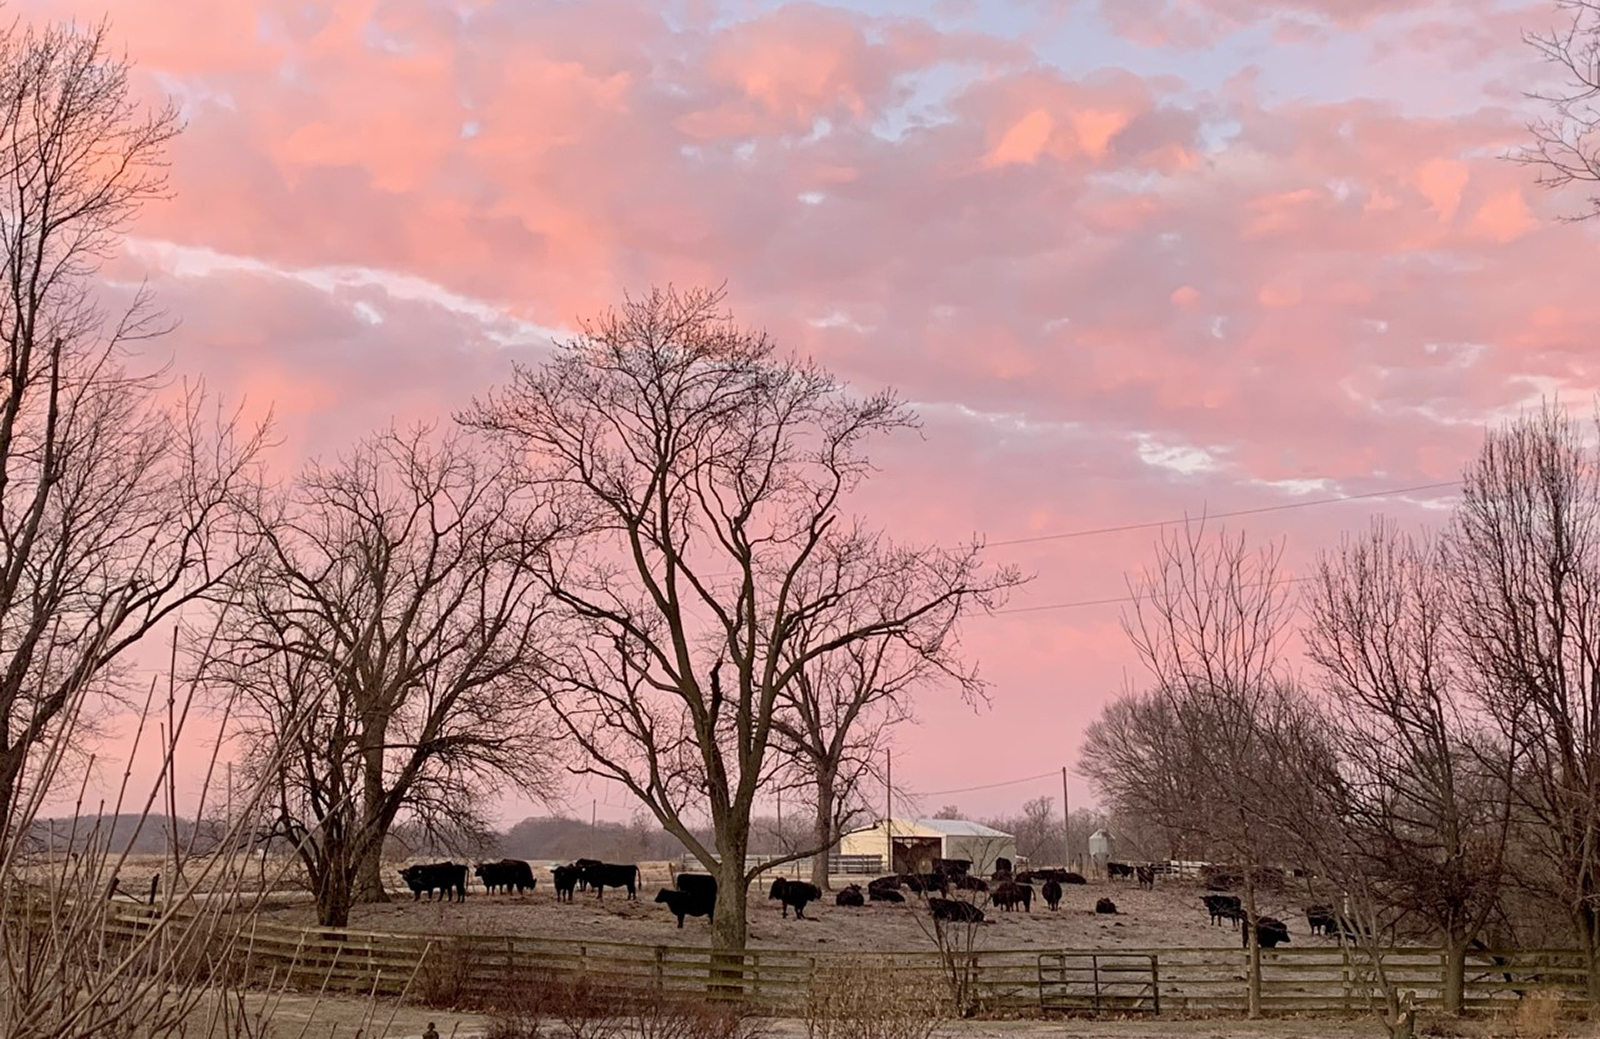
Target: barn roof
<point>958,828</point>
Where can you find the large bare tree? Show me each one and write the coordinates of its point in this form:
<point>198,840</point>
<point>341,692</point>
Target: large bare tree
<point>117,507</point>
<point>400,607</point>
<point>713,475</point>
<point>1421,811</point>
<point>1208,621</point>
<point>1524,558</point>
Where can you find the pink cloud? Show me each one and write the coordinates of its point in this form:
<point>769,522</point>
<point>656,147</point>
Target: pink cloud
<point>1114,298</point>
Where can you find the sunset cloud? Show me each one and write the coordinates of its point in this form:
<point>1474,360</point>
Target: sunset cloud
<point>1115,295</point>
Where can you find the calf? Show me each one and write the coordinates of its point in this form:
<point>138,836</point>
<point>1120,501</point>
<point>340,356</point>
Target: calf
<point>1223,907</point>
<point>448,878</point>
<point>688,903</point>
<point>1270,932</point>
<point>1146,876</point>
<point>1010,894</point>
<point>1052,894</point>
<point>507,874</point>
<point>566,880</point>
<point>794,893</point>
<point>1105,905</point>
<point>1321,920</point>
<point>951,910</point>
<point>851,897</point>
<point>1119,871</point>
<point>601,875</point>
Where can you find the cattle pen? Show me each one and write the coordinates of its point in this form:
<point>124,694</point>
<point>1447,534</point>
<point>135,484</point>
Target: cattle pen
<point>479,970</point>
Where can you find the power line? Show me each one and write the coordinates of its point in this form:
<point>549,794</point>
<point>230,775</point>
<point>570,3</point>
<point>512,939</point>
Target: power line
<point>1225,515</point>
<point>1122,599</point>
<point>986,786</point>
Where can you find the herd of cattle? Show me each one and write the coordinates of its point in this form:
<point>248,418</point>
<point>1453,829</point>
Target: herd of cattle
<point>695,894</point>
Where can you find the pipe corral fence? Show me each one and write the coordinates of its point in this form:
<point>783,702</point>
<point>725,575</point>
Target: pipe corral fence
<point>483,969</point>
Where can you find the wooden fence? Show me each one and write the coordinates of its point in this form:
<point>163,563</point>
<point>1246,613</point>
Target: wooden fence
<point>485,969</point>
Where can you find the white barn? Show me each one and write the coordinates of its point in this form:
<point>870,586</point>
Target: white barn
<point>917,842</point>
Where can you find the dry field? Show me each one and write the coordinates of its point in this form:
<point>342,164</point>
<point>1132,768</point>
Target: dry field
<point>1171,916</point>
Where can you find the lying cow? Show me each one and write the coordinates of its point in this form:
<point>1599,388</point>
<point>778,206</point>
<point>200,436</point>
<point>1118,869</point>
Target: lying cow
<point>1011,894</point>
<point>884,894</point>
<point>1052,894</point>
<point>952,867</point>
<point>507,874</point>
<point>448,878</point>
<point>951,910</point>
<point>601,875</point>
<point>969,883</point>
<point>1223,907</point>
<point>850,897</point>
<point>1106,906</point>
<point>794,893</point>
<point>1270,932</point>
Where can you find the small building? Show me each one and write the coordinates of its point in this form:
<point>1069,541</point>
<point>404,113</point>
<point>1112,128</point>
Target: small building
<point>917,842</point>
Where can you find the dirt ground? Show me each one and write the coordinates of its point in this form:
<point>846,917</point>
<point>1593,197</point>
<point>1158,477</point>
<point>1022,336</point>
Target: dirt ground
<point>1171,916</point>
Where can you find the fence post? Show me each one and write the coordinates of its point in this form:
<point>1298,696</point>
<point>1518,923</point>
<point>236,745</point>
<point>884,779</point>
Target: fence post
<point>1155,982</point>
<point>660,968</point>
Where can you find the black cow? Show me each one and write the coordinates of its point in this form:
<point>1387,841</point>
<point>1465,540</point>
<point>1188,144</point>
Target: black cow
<point>1010,894</point>
<point>1052,894</point>
<point>922,883</point>
<point>884,894</point>
<point>1073,878</point>
<point>583,865</point>
<point>703,883</point>
<point>970,883</point>
<point>507,874</point>
<point>1118,871</point>
<point>601,875</point>
<point>1223,907</point>
<point>794,893</point>
<point>1105,905</point>
<point>1146,876</point>
<point>1270,932</point>
<point>952,910</point>
<point>567,878</point>
<point>952,867</point>
<point>851,897</point>
<point>1001,865</point>
<point>1321,919</point>
<point>891,883</point>
<point>1051,873</point>
<point>448,878</point>
<point>688,903</point>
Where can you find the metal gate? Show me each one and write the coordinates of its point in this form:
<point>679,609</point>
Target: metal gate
<point>1099,981</point>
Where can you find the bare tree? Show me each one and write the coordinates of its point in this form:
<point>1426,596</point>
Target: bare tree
<point>1208,621</point>
<point>115,508</point>
<point>399,607</point>
<point>1137,756</point>
<point>1423,815</point>
<point>1524,558</point>
<point>713,475</point>
<point>1564,146</point>
<point>834,718</point>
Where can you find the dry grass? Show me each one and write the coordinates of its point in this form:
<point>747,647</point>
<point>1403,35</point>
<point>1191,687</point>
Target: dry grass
<point>861,1001</point>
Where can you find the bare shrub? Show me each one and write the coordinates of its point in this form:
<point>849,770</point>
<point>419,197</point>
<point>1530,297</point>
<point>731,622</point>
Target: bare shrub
<point>548,1005</point>
<point>861,1001</point>
<point>1537,1014</point>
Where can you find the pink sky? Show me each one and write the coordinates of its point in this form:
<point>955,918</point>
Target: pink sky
<point>1128,257</point>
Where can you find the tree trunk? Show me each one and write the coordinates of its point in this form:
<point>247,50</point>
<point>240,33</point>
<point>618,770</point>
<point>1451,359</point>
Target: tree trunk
<point>822,830</point>
<point>1589,933</point>
<point>369,869</point>
<point>1455,973</point>
<point>730,930</point>
<point>333,888</point>
<point>1253,945</point>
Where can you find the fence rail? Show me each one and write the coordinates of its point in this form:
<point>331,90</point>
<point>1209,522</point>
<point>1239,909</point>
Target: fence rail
<point>485,968</point>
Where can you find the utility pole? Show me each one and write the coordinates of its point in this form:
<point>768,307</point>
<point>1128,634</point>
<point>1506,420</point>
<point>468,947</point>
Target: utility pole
<point>1066,821</point>
<point>888,808</point>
